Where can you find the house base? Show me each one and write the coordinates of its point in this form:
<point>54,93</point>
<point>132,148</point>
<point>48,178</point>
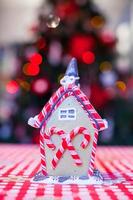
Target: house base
<point>96,179</point>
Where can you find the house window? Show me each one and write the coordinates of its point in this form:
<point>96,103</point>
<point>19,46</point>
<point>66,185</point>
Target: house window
<point>67,114</point>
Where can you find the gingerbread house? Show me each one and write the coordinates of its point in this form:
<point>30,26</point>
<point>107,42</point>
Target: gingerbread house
<point>69,129</point>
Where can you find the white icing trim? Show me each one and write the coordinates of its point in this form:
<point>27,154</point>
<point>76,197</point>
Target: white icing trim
<point>33,120</point>
<point>66,80</point>
<point>106,125</point>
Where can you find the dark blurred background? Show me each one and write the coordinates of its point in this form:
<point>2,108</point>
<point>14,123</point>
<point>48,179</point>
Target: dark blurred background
<point>37,40</point>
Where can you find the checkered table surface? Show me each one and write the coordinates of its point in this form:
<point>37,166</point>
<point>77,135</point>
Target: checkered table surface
<point>19,163</point>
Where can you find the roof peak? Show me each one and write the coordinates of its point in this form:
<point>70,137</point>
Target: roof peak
<point>71,75</point>
<point>72,68</point>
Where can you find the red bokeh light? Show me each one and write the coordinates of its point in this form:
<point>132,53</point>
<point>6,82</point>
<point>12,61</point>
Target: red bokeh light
<point>41,43</point>
<point>88,57</point>
<point>96,92</point>
<point>40,86</point>
<point>12,87</point>
<point>36,58</point>
<point>108,38</point>
<point>35,137</point>
<point>31,69</point>
<point>79,44</point>
<point>66,10</point>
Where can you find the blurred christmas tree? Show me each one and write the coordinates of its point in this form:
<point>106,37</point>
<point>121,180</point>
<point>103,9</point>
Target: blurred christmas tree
<point>66,28</point>
<point>75,29</point>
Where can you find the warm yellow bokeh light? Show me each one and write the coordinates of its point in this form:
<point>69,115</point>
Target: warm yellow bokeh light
<point>25,66</point>
<point>121,85</point>
<point>24,84</point>
<point>105,66</point>
<point>60,77</point>
<point>97,22</point>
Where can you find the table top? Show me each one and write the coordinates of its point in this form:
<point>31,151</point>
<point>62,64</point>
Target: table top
<point>19,163</point>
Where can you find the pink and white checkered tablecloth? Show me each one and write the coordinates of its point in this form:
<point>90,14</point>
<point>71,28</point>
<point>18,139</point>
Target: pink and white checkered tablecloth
<point>19,163</point>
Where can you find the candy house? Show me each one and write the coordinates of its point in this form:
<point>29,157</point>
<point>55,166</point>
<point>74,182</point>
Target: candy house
<point>69,127</point>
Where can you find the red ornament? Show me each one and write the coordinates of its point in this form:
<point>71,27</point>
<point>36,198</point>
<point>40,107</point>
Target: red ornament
<point>36,59</point>
<point>88,57</point>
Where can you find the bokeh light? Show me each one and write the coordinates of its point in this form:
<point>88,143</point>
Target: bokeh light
<point>31,69</point>
<point>12,87</point>
<point>121,85</point>
<point>41,43</point>
<point>88,57</point>
<point>67,10</point>
<point>24,84</point>
<point>40,86</point>
<point>97,22</point>
<point>108,78</point>
<point>60,77</point>
<point>53,21</point>
<point>79,2</point>
<point>105,66</point>
<point>36,58</point>
<point>80,44</point>
<point>108,38</point>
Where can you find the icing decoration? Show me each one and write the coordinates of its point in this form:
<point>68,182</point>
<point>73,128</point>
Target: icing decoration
<point>57,98</point>
<point>66,80</point>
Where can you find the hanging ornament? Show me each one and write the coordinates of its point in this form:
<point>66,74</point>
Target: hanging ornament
<point>52,21</point>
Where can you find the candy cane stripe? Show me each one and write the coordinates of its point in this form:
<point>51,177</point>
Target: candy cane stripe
<point>59,154</point>
<point>66,145</point>
<point>41,143</point>
<point>42,155</point>
<point>54,163</point>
